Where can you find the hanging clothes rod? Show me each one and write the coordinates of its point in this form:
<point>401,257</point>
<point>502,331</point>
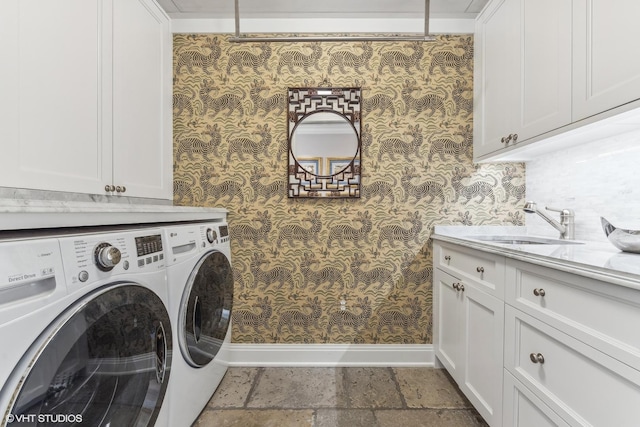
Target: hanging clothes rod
<point>240,38</point>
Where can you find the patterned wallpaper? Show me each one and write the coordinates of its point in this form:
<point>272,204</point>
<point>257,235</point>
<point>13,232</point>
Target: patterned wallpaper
<point>351,270</point>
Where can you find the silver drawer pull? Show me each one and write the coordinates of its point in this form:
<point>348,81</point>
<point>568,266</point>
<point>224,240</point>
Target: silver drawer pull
<point>537,358</point>
<point>458,287</point>
<point>480,269</point>
<point>539,292</point>
<point>447,258</point>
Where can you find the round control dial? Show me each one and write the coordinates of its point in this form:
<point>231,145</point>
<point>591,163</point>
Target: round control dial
<point>212,236</point>
<point>107,256</point>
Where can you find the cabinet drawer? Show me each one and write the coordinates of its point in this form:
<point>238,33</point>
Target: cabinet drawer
<point>484,269</point>
<point>581,384</point>
<point>600,314</point>
<point>523,409</point>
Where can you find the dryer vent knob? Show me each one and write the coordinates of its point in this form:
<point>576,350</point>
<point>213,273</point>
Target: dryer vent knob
<point>107,256</point>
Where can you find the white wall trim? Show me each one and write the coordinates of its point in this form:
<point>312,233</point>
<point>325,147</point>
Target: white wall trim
<point>328,355</point>
<point>371,25</point>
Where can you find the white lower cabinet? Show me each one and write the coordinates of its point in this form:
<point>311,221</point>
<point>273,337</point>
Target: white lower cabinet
<point>523,409</point>
<point>571,343</point>
<point>581,384</point>
<point>470,336</point>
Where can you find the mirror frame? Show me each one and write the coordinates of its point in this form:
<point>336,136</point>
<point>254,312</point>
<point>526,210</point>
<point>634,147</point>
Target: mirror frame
<point>304,102</point>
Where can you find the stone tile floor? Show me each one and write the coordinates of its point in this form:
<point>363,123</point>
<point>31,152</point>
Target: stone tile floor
<point>338,397</point>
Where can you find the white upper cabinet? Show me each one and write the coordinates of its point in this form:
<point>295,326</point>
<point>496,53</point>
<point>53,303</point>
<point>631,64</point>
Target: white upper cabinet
<point>605,60</point>
<point>522,71</point>
<point>496,75</point>
<point>142,120</point>
<point>544,66</point>
<point>53,131</point>
<point>85,84</point>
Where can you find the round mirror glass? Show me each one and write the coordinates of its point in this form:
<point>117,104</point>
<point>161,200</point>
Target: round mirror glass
<point>324,143</point>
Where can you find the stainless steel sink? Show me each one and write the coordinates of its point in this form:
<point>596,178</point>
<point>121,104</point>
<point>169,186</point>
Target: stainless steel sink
<point>524,240</point>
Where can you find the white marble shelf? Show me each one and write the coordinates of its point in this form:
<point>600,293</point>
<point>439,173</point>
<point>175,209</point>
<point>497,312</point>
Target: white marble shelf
<point>37,214</point>
<point>597,260</point>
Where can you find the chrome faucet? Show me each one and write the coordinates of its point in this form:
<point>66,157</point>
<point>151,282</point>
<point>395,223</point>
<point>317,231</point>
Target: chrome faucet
<point>565,226</point>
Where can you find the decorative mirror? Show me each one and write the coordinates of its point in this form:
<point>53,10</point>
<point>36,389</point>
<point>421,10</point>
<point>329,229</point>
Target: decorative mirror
<point>324,142</point>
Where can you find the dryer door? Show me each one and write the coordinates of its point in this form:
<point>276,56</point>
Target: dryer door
<point>205,310</point>
<point>104,362</point>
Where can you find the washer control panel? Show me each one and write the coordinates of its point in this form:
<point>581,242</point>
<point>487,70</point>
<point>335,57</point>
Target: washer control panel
<point>91,257</point>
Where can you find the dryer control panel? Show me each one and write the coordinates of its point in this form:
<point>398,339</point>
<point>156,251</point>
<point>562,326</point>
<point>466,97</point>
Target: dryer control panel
<point>214,234</point>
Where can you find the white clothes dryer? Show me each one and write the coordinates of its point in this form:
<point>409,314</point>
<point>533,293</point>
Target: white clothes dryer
<point>84,330</point>
<point>200,302</point>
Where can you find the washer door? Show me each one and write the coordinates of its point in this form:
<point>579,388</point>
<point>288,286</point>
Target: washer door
<point>104,362</point>
<point>205,310</point>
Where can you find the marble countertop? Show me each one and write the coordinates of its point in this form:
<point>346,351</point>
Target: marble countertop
<point>36,214</point>
<point>597,260</point>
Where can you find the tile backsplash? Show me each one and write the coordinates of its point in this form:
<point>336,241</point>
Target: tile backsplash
<point>595,179</point>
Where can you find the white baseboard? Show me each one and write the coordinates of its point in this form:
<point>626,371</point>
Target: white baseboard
<point>329,355</point>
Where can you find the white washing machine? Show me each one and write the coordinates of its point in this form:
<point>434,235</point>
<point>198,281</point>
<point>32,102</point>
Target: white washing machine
<point>85,335</point>
<point>200,301</point>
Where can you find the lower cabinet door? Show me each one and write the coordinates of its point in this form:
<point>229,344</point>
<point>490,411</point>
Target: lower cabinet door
<point>468,337</point>
<point>448,322</point>
<point>583,385</point>
<point>483,335</point>
<point>523,409</point>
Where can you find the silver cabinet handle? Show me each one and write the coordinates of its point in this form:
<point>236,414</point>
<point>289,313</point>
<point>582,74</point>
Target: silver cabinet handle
<point>512,137</point>
<point>447,258</point>
<point>539,292</point>
<point>120,189</point>
<point>458,287</point>
<point>480,269</point>
<point>109,188</point>
<point>536,358</point>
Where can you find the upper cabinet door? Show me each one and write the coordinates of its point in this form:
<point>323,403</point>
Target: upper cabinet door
<point>545,76</point>
<point>142,120</point>
<point>523,72</point>
<point>606,63</point>
<point>51,114</point>
<point>497,70</point>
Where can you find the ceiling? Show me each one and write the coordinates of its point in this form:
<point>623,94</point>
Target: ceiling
<point>352,9</point>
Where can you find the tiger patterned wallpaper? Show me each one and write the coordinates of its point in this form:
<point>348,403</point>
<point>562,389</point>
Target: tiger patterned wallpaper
<point>334,270</point>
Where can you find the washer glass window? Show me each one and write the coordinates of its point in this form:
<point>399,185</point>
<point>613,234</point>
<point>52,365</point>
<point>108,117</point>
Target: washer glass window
<point>103,363</point>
